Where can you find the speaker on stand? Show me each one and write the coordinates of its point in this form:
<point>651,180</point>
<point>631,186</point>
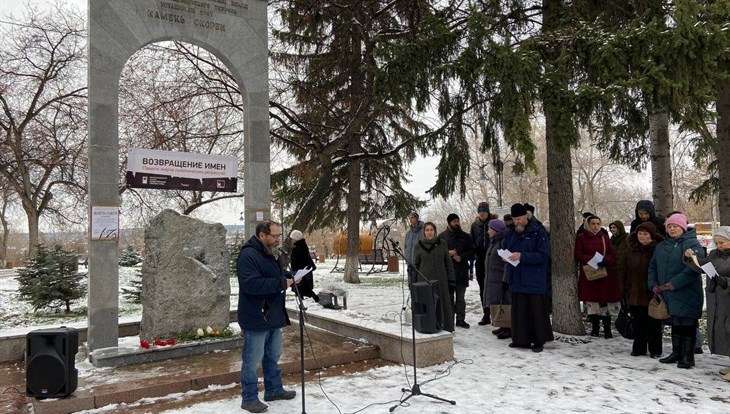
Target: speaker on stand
<point>426,304</point>
<point>50,362</point>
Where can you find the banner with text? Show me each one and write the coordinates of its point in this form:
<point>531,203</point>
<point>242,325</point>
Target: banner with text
<point>167,170</point>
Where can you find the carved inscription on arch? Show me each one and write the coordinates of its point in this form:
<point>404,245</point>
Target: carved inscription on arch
<point>202,14</point>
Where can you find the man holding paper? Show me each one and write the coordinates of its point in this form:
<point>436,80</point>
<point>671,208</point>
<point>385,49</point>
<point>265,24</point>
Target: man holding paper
<point>529,254</point>
<point>717,268</point>
<point>261,315</point>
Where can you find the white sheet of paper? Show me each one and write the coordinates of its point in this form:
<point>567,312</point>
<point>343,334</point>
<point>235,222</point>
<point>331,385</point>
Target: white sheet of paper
<point>709,269</point>
<point>300,274</point>
<point>505,254</point>
<point>598,258</point>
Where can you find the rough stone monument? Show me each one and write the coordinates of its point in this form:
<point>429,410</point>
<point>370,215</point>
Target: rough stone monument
<point>185,276</point>
<point>236,32</point>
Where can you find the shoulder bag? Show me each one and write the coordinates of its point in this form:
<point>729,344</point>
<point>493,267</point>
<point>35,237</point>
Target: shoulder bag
<point>595,274</point>
<point>658,308</point>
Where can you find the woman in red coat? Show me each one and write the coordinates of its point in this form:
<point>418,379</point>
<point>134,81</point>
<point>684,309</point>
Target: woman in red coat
<point>602,296</point>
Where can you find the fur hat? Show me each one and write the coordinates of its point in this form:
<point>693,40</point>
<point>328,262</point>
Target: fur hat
<point>296,235</point>
<point>678,219</point>
<point>496,225</point>
<point>517,210</point>
<point>451,217</point>
<point>648,227</point>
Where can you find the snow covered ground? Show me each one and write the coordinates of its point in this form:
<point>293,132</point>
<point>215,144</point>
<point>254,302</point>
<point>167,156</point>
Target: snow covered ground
<point>486,376</point>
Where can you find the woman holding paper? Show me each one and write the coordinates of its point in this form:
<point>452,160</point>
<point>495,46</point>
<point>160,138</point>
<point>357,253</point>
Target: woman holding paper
<point>300,259</point>
<point>680,286</point>
<point>602,296</point>
<point>718,294</point>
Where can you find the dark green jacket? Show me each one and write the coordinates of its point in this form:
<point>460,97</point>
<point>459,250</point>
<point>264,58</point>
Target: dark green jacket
<point>667,266</point>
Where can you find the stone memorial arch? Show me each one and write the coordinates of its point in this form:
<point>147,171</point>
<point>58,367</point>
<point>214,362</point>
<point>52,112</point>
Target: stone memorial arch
<point>236,32</point>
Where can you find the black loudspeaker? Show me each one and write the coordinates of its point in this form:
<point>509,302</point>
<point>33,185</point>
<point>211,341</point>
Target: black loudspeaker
<point>426,304</point>
<point>50,362</point>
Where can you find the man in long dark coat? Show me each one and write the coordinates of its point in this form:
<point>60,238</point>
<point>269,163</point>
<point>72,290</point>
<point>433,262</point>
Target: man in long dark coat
<point>461,250</point>
<point>528,243</point>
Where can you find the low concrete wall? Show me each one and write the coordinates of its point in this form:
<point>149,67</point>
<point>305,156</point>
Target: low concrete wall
<point>431,349</point>
<point>12,347</point>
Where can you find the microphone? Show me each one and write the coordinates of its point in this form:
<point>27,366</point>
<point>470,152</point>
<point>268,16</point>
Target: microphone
<point>394,244</point>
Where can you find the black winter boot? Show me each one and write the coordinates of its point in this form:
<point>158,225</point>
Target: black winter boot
<point>607,327</point>
<point>676,348</point>
<point>686,358</point>
<point>486,320</point>
<point>596,325</point>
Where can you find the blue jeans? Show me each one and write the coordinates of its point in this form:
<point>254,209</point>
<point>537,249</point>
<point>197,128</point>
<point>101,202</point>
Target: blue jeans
<point>260,347</point>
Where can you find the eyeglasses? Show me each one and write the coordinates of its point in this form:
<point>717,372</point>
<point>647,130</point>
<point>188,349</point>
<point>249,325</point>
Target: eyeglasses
<point>276,236</point>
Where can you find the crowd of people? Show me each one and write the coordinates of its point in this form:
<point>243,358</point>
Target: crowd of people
<point>658,263</point>
<point>655,265</point>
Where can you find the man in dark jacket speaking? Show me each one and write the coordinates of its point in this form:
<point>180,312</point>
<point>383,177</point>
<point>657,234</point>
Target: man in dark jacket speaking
<point>261,315</point>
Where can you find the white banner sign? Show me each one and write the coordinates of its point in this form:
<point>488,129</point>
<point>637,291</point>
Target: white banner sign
<point>169,170</point>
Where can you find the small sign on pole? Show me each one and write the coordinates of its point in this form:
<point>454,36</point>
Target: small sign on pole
<point>104,223</point>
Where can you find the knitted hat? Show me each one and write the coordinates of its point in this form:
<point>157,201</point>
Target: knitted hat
<point>483,207</point>
<point>587,214</point>
<point>507,217</point>
<point>723,231</point>
<point>296,235</point>
<point>648,227</point>
<point>678,219</point>
<point>451,217</point>
<point>518,210</point>
<point>496,225</point>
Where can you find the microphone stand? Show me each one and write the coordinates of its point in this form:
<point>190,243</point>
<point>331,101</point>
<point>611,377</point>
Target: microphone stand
<point>302,310</point>
<point>416,389</point>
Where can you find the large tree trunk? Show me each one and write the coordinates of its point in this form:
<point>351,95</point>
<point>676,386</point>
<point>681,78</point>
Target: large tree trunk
<point>353,217</point>
<point>33,239</point>
<point>723,150</point>
<point>5,225</point>
<point>567,317</point>
<point>661,162</point>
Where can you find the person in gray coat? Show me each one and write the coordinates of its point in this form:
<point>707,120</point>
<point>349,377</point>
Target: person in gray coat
<point>413,235</point>
<point>496,289</point>
<point>431,258</point>
<point>718,294</point>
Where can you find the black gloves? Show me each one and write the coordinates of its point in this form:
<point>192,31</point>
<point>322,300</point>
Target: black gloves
<point>721,281</point>
<point>603,263</point>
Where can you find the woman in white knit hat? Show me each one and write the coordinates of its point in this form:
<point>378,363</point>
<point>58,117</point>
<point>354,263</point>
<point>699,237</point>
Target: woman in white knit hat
<point>718,294</point>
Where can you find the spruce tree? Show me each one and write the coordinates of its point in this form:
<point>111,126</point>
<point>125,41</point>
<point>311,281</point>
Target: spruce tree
<point>51,279</point>
<point>133,293</point>
<point>129,257</point>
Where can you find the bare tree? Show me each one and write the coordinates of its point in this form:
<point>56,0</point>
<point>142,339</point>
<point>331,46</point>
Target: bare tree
<point>7,197</point>
<point>42,112</point>
<point>178,97</point>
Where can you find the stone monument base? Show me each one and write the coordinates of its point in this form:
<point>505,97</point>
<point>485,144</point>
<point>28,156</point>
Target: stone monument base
<point>121,356</point>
